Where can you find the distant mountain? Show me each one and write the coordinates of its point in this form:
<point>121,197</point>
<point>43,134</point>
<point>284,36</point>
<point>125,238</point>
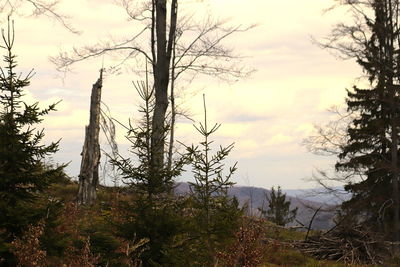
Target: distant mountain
<point>255,198</point>
<point>319,195</point>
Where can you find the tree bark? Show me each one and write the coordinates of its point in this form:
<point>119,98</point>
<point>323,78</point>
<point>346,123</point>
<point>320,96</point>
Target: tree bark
<point>89,172</point>
<point>395,180</point>
<point>161,80</point>
<point>173,110</point>
<point>390,35</point>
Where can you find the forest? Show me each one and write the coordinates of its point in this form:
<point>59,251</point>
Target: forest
<point>140,193</point>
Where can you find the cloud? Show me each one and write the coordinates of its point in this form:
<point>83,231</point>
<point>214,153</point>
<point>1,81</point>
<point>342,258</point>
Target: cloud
<point>266,115</point>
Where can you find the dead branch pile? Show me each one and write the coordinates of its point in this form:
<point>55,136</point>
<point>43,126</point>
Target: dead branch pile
<point>354,245</point>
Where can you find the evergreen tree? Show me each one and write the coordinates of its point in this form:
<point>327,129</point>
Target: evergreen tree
<point>279,209</point>
<point>136,170</point>
<point>23,173</point>
<point>216,215</point>
<point>372,147</point>
<point>153,212</point>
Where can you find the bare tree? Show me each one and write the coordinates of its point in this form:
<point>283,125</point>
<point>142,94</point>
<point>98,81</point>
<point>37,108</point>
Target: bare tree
<point>107,124</point>
<point>176,47</point>
<point>36,8</point>
<point>327,140</point>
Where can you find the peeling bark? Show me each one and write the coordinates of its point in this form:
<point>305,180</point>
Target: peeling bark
<point>89,172</point>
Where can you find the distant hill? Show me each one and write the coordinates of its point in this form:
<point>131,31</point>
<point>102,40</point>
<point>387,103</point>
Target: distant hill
<point>254,198</point>
<point>319,195</point>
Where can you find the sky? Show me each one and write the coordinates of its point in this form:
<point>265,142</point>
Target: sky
<point>267,115</point>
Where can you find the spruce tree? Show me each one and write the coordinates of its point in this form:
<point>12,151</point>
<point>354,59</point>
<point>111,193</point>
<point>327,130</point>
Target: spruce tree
<point>153,213</point>
<point>216,215</point>
<point>23,172</point>
<point>372,147</point>
<point>279,210</point>
<point>369,159</point>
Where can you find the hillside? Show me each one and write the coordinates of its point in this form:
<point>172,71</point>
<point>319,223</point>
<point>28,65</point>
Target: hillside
<point>254,198</point>
<point>263,243</point>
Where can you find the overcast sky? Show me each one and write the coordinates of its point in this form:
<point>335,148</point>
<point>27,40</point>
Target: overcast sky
<point>267,115</point>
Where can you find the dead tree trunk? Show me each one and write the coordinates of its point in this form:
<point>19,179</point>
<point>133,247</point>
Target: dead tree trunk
<point>89,173</point>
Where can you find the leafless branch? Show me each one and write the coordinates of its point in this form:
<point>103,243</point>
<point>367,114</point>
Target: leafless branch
<point>39,8</point>
<point>64,60</point>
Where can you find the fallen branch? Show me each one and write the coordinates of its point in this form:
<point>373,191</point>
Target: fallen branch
<point>351,245</point>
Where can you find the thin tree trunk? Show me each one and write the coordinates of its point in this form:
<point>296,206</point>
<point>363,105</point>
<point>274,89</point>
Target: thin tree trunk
<point>394,165</point>
<point>161,81</point>
<point>389,68</point>
<point>395,125</point>
<point>89,172</point>
<point>173,111</point>
<point>395,180</point>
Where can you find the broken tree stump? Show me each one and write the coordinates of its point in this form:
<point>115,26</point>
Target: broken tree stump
<point>89,172</point>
